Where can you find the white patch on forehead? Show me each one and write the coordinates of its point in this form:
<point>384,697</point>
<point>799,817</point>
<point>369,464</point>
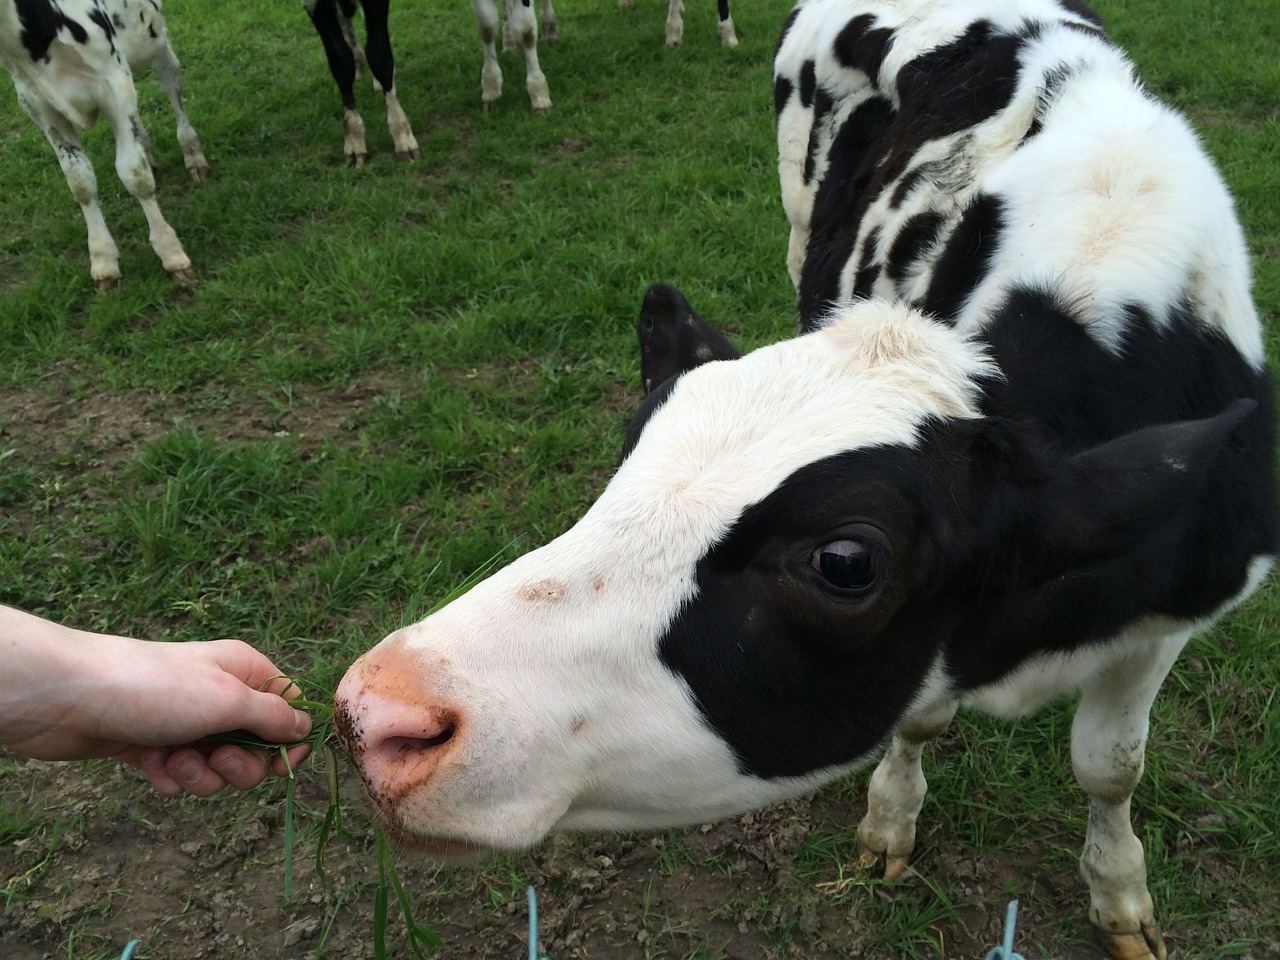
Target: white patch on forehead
<point>730,432</point>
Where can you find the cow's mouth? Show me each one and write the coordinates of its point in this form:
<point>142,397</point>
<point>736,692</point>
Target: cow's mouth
<point>435,847</point>
<point>441,848</point>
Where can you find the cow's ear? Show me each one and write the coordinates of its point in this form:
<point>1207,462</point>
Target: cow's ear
<point>1052,514</point>
<point>673,338</point>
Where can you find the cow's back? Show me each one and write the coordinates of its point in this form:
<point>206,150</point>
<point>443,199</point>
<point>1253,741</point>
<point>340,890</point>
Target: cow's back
<point>998,165</point>
<point>945,154</point>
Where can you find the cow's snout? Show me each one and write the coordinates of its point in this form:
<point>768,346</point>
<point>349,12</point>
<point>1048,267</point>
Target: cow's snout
<point>398,735</point>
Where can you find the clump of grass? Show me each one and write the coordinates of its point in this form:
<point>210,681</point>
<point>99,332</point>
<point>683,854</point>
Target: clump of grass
<point>323,739</point>
<point>324,742</point>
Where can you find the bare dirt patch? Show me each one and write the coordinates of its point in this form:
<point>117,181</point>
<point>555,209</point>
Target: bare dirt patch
<point>54,422</point>
<point>203,879</point>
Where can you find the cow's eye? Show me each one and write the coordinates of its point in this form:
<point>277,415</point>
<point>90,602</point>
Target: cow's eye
<point>853,567</point>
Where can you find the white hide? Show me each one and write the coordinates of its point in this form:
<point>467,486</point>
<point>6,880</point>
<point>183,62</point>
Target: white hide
<point>1107,218</point>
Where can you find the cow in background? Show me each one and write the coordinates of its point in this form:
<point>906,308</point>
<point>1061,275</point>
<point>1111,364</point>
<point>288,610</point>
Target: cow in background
<point>73,61</point>
<point>1023,449</point>
<point>520,28</point>
<point>332,20</point>
<point>675,22</point>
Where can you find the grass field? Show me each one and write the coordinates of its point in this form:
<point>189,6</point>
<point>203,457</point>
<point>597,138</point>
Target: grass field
<point>387,376</point>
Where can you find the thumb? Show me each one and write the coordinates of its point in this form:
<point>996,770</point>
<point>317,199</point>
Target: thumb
<point>269,716</point>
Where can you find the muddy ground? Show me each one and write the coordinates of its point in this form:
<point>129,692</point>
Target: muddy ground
<point>106,861</point>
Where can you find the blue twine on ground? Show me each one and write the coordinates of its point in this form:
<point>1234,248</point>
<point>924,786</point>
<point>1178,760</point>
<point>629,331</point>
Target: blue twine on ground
<point>129,948</point>
<point>533,925</point>
<point>1005,952</point>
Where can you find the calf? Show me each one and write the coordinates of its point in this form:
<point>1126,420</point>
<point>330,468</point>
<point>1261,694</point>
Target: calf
<point>520,27</point>
<point>71,61</point>
<point>332,20</point>
<point>675,22</point>
<point>1023,449</point>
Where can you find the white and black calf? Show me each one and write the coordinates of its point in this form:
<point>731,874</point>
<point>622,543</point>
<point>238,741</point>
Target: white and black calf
<point>1023,449</point>
<point>73,61</point>
<point>332,20</point>
<point>520,28</point>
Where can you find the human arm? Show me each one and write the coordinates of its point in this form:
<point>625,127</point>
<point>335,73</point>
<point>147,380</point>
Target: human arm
<point>68,694</point>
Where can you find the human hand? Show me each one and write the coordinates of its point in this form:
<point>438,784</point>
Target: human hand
<point>68,694</point>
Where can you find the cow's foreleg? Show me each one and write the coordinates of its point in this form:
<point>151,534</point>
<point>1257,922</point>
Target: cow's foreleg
<point>549,34</point>
<point>675,22</point>
<point>104,258</point>
<point>491,72</point>
<point>897,790</point>
<point>383,67</point>
<point>508,38</point>
<point>324,15</point>
<point>135,173</point>
<point>166,68</point>
<point>724,28</point>
<point>353,42</point>
<point>524,26</point>
<point>1108,739</point>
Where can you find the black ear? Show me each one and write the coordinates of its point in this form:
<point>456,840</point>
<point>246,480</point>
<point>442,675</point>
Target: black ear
<point>1051,515</point>
<point>673,338</point>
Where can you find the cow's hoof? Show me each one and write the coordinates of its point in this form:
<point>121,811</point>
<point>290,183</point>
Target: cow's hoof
<point>184,277</point>
<point>894,867</point>
<point>106,284</point>
<point>408,156</point>
<point>1147,945</point>
<point>357,160</point>
<point>199,173</point>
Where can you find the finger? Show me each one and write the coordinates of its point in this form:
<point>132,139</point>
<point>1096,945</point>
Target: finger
<point>242,769</point>
<point>253,668</point>
<point>151,762</point>
<point>191,771</point>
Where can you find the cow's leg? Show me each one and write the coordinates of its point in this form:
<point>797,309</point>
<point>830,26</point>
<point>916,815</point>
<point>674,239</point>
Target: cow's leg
<point>324,15</point>
<point>897,790</point>
<point>382,66</point>
<point>121,110</point>
<point>524,26</point>
<point>144,141</point>
<point>491,72</point>
<point>724,28</point>
<point>166,68</point>
<point>675,22</point>
<point>104,258</point>
<point>346,10</point>
<point>1108,739</point>
<point>549,34</point>
<point>508,38</point>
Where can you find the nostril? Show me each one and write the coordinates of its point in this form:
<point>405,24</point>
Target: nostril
<point>400,746</point>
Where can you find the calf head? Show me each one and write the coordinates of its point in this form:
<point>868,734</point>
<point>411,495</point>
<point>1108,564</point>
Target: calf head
<point>765,586</point>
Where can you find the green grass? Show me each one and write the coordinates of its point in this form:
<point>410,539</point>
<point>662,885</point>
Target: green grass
<point>388,376</point>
